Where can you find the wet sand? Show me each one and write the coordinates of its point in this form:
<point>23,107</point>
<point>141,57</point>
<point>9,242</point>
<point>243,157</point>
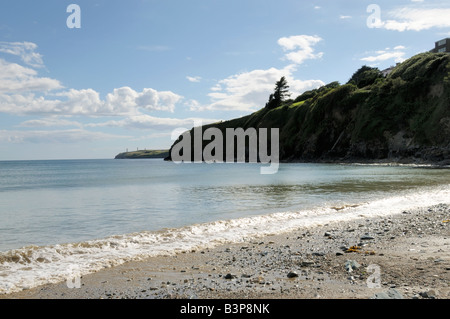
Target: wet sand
<point>406,256</point>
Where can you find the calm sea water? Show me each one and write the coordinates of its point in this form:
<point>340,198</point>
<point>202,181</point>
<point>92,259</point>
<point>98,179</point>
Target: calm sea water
<point>92,212</point>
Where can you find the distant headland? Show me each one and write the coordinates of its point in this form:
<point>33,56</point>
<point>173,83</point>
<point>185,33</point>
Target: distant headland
<point>144,154</point>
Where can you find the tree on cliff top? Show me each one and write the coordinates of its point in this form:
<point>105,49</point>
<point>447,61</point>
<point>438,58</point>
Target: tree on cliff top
<point>281,92</point>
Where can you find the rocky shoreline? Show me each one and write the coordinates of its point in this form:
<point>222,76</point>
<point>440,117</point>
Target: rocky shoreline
<point>403,256</point>
<point>391,161</point>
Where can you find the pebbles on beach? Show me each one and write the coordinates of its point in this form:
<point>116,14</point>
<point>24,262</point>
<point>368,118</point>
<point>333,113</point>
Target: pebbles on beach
<point>404,256</point>
<point>389,294</point>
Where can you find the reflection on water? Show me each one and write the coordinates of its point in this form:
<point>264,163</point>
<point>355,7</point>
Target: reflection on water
<point>48,202</point>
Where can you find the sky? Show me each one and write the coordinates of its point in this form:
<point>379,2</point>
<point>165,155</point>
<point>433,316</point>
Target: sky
<point>104,76</point>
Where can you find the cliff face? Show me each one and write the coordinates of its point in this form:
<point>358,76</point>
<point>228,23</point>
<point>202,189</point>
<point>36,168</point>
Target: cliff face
<point>405,117</point>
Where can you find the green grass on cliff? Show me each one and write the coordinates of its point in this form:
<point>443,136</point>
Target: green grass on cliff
<point>413,100</point>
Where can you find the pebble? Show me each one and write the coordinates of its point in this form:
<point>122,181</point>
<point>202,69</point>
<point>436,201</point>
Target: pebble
<point>318,254</point>
<point>248,269</point>
<point>258,280</point>
<point>389,294</point>
<point>351,265</point>
<point>431,294</point>
<point>307,263</point>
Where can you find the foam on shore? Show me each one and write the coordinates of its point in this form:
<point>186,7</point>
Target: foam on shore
<point>34,266</point>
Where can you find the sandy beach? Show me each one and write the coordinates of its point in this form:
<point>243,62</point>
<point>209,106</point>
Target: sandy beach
<point>403,256</point>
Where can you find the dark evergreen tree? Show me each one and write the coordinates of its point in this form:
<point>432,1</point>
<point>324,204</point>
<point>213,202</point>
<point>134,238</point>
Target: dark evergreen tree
<point>280,94</point>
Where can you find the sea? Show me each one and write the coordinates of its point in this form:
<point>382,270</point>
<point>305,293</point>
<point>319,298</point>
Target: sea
<point>62,218</point>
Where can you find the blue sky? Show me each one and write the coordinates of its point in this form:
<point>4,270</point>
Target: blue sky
<point>137,70</point>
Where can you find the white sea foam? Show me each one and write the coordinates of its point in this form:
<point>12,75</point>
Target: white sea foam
<point>33,266</point>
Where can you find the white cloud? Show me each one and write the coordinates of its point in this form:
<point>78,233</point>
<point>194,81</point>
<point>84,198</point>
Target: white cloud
<point>126,100</point>
<point>383,55</point>
<point>245,91</point>
<point>194,79</point>
<point>23,91</point>
<point>343,17</point>
<point>121,101</point>
<point>56,136</point>
<point>417,19</point>
<point>249,91</point>
<point>217,87</point>
<point>16,78</point>
<point>144,121</point>
<point>27,103</point>
<point>300,47</point>
<point>24,50</point>
<point>50,122</point>
<point>151,99</point>
<point>78,102</point>
<point>87,102</point>
<point>193,105</point>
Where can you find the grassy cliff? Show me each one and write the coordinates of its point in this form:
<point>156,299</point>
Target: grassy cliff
<point>405,115</point>
<point>144,154</point>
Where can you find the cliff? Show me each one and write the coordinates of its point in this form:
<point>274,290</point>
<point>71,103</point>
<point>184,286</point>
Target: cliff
<point>403,117</point>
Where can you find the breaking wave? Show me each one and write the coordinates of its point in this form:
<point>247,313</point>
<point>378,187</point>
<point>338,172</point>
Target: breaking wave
<point>33,266</point>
